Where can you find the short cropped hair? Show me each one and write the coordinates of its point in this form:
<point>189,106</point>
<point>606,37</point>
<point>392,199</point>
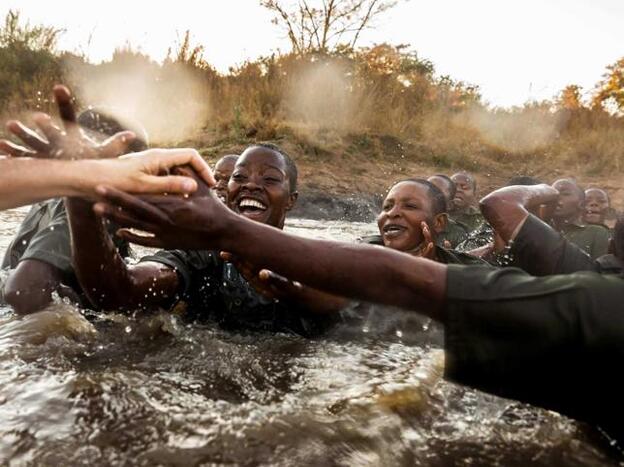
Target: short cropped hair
<point>451,184</point>
<point>579,190</point>
<point>291,167</point>
<point>435,195</point>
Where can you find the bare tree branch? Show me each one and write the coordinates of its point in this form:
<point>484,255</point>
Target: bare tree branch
<point>323,27</point>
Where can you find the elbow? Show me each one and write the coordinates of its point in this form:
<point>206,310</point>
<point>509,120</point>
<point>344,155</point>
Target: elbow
<point>490,204</point>
<point>26,300</point>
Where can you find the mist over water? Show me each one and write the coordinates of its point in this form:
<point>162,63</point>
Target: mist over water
<point>171,101</point>
<point>80,388</point>
<point>321,95</point>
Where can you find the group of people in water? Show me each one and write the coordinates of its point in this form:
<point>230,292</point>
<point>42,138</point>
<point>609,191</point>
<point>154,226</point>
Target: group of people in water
<point>526,281</point>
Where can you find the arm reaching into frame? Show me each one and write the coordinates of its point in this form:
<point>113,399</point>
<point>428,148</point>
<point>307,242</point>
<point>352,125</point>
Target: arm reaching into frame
<point>25,180</point>
<point>363,272</point>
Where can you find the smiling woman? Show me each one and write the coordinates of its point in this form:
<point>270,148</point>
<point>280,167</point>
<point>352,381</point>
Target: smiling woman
<point>263,185</point>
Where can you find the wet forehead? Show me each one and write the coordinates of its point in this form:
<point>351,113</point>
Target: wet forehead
<point>408,190</point>
<point>597,194</point>
<point>261,158</point>
<point>463,179</point>
<point>566,185</point>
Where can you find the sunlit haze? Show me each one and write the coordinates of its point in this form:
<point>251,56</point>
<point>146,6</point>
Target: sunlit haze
<point>513,50</point>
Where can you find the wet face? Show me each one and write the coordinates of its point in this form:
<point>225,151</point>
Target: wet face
<point>222,172</point>
<point>596,206</point>
<point>405,207</point>
<point>444,187</point>
<point>465,195</point>
<point>259,188</point>
<point>570,203</point>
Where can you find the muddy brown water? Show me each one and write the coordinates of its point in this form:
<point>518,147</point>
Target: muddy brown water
<point>77,388</point>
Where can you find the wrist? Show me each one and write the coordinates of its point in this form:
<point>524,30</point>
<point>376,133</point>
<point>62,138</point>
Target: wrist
<point>84,177</point>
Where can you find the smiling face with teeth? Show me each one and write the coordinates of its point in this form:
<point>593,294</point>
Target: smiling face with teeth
<point>406,206</point>
<point>259,188</point>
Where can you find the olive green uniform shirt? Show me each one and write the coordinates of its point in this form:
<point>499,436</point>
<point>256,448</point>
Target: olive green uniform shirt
<point>592,238</point>
<point>454,233</point>
<point>471,218</point>
<point>555,342</point>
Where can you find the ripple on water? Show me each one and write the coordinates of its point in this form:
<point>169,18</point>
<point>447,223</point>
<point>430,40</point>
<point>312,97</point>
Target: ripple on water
<point>113,389</point>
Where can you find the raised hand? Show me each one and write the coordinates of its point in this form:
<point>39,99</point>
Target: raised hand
<point>70,143</point>
<point>427,249</point>
<point>172,221</point>
<point>276,287</point>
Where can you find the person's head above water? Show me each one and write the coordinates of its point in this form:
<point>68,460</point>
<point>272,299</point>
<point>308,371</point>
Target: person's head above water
<point>571,200</point>
<point>263,186</point>
<point>100,123</point>
<point>446,186</point>
<point>408,204</point>
<point>223,169</point>
<point>466,190</point>
<point>597,205</point>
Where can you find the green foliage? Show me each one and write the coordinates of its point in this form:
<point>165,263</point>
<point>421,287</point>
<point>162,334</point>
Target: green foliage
<point>27,59</point>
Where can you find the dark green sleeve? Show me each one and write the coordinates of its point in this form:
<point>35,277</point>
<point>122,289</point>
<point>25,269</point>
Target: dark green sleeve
<point>550,341</point>
<point>186,263</point>
<point>540,250</point>
<point>52,243</point>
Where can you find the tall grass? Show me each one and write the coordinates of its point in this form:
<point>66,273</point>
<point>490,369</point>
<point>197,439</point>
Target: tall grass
<point>326,101</point>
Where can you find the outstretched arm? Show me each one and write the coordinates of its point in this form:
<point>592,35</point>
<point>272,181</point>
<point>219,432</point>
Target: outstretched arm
<point>507,208</point>
<point>363,272</point>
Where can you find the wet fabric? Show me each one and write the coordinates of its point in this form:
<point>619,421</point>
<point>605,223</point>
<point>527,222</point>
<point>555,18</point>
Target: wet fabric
<point>480,237</point>
<point>214,290</point>
<point>470,217</point>
<point>454,233</point>
<point>35,221</point>
<point>594,239</point>
<point>556,341</point>
<point>540,250</point>
<point>44,235</point>
<point>444,255</point>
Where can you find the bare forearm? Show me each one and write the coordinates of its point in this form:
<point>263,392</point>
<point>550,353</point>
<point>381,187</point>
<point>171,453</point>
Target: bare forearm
<point>362,272</point>
<point>507,208</point>
<point>25,181</point>
<point>100,269</point>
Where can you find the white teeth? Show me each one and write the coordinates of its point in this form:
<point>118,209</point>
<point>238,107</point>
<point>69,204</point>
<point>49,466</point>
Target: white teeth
<point>251,203</point>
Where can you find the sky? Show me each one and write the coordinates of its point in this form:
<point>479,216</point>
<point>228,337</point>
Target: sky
<point>514,50</point>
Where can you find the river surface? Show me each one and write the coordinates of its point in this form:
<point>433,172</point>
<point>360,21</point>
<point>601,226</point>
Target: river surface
<point>78,388</point>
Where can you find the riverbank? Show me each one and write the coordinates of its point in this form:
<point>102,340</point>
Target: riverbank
<point>345,177</point>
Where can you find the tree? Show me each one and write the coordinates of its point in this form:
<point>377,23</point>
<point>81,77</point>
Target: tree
<point>38,38</point>
<point>322,25</point>
<point>610,91</point>
<point>570,98</point>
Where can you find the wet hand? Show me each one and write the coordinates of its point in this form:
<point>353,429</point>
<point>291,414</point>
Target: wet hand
<point>171,221</point>
<point>57,143</point>
<point>427,247</point>
<point>266,282</point>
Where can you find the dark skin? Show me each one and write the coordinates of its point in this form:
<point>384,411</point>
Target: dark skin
<point>260,177</point>
<point>30,286</point>
<point>570,205</point>
<point>406,222</point>
<point>355,271</point>
<point>465,195</point>
<point>222,172</point>
<point>443,185</point>
<point>507,208</point>
<point>596,206</point>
